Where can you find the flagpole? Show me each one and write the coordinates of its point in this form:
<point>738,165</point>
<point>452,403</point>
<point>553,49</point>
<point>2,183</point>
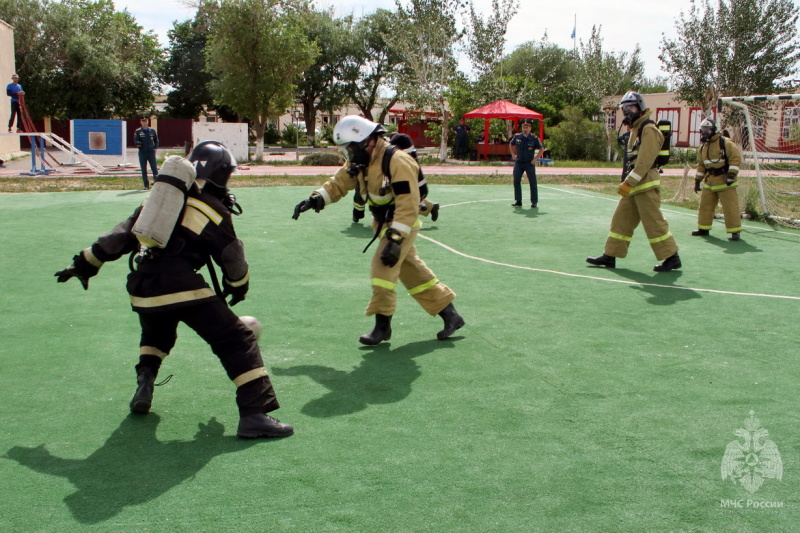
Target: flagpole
<point>574,34</point>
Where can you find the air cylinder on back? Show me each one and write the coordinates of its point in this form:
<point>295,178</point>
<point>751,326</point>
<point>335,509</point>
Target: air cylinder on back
<point>162,208</point>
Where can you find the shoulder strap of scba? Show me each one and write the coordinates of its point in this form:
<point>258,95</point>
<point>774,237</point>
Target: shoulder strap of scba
<point>387,158</point>
<point>665,127</point>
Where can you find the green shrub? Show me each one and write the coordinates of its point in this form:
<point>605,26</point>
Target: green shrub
<point>323,159</point>
<point>577,137</point>
<point>683,155</point>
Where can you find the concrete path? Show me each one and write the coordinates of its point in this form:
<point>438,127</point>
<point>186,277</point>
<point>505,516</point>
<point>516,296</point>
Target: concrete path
<point>129,166</point>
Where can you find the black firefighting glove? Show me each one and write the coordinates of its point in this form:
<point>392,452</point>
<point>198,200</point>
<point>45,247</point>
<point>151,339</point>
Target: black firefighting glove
<point>730,179</point>
<point>315,202</point>
<point>355,169</point>
<point>391,252</point>
<point>80,268</point>
<point>237,294</point>
<point>697,185</point>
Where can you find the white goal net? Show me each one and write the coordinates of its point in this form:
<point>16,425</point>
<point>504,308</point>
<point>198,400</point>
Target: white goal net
<point>767,128</point>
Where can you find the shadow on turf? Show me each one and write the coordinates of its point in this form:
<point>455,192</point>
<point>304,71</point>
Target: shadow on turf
<point>132,467</point>
<point>730,247</point>
<point>667,293</point>
<point>357,230</point>
<point>385,375</point>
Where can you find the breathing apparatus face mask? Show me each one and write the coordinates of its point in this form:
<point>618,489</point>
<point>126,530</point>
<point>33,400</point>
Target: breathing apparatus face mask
<point>631,113</point>
<point>706,133</point>
<point>356,153</point>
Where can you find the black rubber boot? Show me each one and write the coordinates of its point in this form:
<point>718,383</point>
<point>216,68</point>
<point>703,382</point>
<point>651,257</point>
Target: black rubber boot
<point>602,260</point>
<point>259,425</point>
<point>452,322</point>
<point>672,262</point>
<point>381,332</point>
<point>435,212</point>
<point>700,233</point>
<point>143,399</point>
<point>735,236</point>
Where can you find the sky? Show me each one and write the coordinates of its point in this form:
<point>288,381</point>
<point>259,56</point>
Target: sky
<point>623,23</point>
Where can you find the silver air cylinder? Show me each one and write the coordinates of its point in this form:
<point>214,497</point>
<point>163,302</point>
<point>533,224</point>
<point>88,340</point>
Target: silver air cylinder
<point>162,208</point>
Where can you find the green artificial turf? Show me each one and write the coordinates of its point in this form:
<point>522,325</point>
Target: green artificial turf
<point>575,398</point>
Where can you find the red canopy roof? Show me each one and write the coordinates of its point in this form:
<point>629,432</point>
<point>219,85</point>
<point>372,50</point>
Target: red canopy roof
<point>503,109</point>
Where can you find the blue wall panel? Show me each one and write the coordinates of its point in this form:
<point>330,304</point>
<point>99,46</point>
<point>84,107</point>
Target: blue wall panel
<point>98,137</point>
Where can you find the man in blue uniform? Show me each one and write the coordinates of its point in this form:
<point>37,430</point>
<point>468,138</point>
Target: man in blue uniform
<point>14,90</point>
<point>524,148</point>
<point>461,130</point>
<point>146,139</point>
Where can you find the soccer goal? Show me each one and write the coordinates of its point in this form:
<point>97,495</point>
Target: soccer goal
<point>767,128</point>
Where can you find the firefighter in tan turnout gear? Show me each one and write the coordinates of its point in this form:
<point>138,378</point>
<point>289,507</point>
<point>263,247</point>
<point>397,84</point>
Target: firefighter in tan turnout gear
<point>394,201</point>
<point>641,198</point>
<point>718,160</point>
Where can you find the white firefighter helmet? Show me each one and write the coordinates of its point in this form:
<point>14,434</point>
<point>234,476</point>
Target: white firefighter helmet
<point>632,97</point>
<point>355,129</point>
<point>707,128</point>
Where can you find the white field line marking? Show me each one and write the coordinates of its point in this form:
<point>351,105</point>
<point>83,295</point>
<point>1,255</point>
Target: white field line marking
<point>625,282</point>
<point>611,199</point>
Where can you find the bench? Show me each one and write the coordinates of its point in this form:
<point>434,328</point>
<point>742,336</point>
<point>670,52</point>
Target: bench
<point>542,162</point>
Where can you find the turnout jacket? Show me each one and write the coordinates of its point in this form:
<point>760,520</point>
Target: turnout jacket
<point>169,278</point>
<point>399,197</point>
<point>711,164</point>
<point>642,154</point>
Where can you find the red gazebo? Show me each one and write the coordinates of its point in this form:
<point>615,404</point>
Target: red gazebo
<point>504,110</point>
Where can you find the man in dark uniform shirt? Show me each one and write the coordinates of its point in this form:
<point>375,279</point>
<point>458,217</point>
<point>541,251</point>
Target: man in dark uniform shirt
<point>461,130</point>
<point>524,147</point>
<point>146,139</point>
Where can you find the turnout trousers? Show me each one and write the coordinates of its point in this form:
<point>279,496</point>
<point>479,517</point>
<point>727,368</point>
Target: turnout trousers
<point>644,207</point>
<point>418,279</point>
<point>719,194</point>
<point>230,340</point>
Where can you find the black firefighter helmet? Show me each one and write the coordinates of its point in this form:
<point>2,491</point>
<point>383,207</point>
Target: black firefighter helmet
<point>214,163</point>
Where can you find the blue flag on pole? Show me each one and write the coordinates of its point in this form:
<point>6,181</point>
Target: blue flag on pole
<point>573,33</point>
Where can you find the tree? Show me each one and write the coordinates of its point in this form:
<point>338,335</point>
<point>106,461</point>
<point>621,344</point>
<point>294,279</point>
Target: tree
<point>256,54</point>
<point>82,59</point>
<point>185,70</point>
<point>486,39</point>
<point>319,86</point>
<point>372,64</point>
<point>601,73</point>
<point>743,47</point>
<point>577,137</point>
<point>425,36</point>
<point>538,75</point>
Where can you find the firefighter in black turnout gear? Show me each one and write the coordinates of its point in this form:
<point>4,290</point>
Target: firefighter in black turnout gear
<point>166,287</point>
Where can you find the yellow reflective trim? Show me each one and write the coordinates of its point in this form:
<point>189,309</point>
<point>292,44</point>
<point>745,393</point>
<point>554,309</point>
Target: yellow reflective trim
<point>378,282</point>
<point>91,258</point>
<point>194,221</point>
<point>249,376</point>
<point>659,239</point>
<point>721,187</point>
<point>152,350</point>
<point>735,230</point>
<point>206,209</point>
<point>425,286</point>
<point>620,237</point>
<point>240,282</point>
<point>174,298</point>
<point>703,227</point>
<point>648,185</point>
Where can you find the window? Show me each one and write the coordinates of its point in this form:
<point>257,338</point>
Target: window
<point>791,122</point>
<point>611,119</point>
